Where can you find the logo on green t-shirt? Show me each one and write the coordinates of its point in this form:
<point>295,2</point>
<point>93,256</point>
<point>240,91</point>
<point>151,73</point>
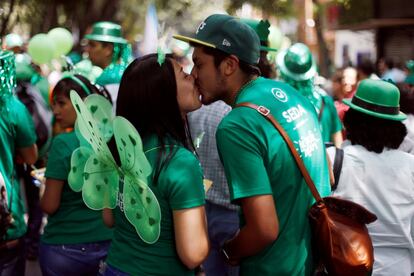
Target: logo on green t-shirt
<point>279,94</point>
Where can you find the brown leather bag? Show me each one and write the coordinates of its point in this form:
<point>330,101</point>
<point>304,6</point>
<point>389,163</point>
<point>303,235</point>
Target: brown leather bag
<point>340,238</point>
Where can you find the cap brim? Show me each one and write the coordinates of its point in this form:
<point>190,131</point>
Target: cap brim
<point>193,40</point>
<point>268,49</point>
<point>399,117</point>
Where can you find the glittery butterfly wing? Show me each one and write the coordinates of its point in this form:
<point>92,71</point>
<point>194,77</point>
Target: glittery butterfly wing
<point>141,207</point>
<point>94,170</point>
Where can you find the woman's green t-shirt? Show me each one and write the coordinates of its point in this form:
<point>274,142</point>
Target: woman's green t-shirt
<point>179,186</point>
<point>73,222</point>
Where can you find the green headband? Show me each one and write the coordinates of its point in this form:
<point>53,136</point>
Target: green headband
<point>78,81</point>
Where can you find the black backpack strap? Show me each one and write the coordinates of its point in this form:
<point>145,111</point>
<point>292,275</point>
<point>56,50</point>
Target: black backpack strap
<point>337,166</point>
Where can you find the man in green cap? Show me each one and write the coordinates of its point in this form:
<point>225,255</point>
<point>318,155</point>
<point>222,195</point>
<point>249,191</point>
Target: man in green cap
<point>108,50</point>
<point>18,139</point>
<point>222,216</point>
<point>297,67</point>
<point>274,236</point>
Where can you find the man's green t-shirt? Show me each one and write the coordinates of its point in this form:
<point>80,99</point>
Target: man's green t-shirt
<point>73,222</point>
<point>179,186</point>
<point>16,131</point>
<point>329,119</point>
<point>257,161</point>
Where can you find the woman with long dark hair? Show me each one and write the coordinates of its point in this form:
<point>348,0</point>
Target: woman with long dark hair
<point>155,97</point>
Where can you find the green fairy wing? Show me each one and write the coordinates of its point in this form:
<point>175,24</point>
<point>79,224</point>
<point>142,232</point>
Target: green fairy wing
<point>101,184</point>
<point>88,128</point>
<point>94,170</point>
<point>141,207</point>
<point>101,111</point>
<point>78,162</point>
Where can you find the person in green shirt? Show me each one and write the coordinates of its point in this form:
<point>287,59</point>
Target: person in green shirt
<point>75,240</point>
<point>274,236</point>
<point>155,97</point>
<point>108,50</point>
<point>297,67</point>
<point>18,144</point>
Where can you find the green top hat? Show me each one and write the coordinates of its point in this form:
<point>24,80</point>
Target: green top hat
<point>262,30</point>
<point>297,62</point>
<point>107,32</point>
<point>377,98</point>
<point>229,35</point>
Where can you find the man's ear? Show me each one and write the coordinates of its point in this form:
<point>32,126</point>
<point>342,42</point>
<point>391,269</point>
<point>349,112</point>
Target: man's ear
<point>229,65</point>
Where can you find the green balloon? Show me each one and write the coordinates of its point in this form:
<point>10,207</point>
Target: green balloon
<point>41,49</point>
<point>63,41</point>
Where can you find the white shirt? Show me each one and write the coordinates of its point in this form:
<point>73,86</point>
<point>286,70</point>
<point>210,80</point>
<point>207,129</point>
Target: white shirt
<point>384,184</point>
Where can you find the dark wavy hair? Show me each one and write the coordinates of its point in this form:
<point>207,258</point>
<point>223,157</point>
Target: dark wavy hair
<point>65,85</point>
<point>147,97</point>
<point>407,101</point>
<point>373,133</point>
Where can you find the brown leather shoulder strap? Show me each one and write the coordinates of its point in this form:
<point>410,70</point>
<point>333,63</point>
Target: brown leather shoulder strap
<point>266,113</point>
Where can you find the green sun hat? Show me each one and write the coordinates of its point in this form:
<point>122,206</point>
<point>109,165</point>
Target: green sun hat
<point>229,35</point>
<point>297,62</point>
<point>261,27</point>
<point>107,32</point>
<point>377,98</point>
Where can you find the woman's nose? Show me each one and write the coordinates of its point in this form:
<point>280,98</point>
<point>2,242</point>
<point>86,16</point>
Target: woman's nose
<point>194,73</point>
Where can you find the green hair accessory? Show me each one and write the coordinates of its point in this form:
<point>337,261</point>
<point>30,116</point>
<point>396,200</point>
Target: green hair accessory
<point>160,56</point>
<point>78,82</point>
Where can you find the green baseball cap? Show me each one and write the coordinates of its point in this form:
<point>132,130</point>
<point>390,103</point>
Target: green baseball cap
<point>261,27</point>
<point>228,34</point>
<point>297,62</point>
<point>107,32</point>
<point>377,98</point>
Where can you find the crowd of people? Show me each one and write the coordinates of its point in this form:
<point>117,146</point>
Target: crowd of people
<point>158,214</point>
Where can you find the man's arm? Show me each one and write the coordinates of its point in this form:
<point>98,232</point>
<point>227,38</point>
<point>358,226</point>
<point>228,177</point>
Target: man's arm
<point>261,228</point>
<point>337,139</point>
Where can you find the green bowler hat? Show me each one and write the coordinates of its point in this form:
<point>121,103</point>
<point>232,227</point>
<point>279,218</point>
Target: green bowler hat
<point>297,62</point>
<point>107,32</point>
<point>262,29</point>
<point>229,35</point>
<point>377,98</point>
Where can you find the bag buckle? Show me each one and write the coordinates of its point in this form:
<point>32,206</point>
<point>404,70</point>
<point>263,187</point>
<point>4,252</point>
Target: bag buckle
<point>263,110</point>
